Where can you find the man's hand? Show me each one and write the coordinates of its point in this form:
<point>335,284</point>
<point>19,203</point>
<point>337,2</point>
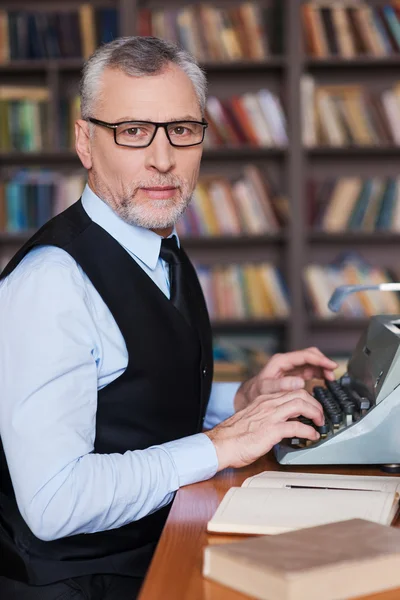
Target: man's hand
<point>285,372</point>
<point>253,431</point>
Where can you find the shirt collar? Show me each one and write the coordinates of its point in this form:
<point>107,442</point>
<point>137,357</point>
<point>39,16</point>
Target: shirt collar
<point>143,243</point>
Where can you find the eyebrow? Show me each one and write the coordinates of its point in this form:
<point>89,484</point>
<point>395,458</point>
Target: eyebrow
<point>184,118</point>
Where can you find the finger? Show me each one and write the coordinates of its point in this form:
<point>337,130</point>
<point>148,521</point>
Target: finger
<point>270,386</point>
<point>289,361</point>
<point>317,351</point>
<point>299,395</point>
<point>298,407</point>
<point>330,375</point>
<point>313,357</point>
<point>291,429</point>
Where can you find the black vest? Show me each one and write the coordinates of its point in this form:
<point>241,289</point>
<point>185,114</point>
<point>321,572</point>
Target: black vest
<point>161,396</point>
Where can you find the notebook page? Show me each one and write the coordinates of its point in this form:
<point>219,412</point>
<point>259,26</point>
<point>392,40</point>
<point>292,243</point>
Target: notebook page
<point>279,479</point>
<point>273,510</point>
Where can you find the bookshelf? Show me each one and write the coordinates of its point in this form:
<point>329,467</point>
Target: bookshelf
<point>290,167</point>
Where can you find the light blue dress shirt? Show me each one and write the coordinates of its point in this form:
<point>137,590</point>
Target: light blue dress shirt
<point>59,344</point>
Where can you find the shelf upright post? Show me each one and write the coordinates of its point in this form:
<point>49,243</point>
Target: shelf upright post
<point>296,334</point>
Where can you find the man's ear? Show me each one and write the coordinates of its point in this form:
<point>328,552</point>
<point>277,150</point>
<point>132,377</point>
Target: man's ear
<point>82,143</point>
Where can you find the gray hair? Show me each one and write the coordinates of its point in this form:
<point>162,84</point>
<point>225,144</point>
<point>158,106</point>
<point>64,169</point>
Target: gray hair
<point>137,56</point>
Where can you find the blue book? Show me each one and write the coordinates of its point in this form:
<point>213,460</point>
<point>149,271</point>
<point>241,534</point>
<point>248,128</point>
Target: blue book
<point>357,216</point>
<point>388,203</point>
<point>107,23</point>
<point>381,31</point>
<point>393,23</point>
<point>12,201</point>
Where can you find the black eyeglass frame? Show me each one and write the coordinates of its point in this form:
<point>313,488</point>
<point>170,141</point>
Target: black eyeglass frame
<point>164,125</point>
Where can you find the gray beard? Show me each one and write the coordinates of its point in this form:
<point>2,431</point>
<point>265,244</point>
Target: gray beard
<point>152,214</point>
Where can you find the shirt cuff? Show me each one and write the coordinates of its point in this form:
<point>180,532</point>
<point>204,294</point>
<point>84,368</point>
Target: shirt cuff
<point>194,457</point>
<point>221,403</point>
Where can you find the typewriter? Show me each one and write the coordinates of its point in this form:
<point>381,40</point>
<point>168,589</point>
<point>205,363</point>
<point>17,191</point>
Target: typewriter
<point>362,408</point>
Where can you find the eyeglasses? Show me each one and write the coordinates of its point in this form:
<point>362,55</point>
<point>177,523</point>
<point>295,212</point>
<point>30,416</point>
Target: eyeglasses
<point>140,134</point>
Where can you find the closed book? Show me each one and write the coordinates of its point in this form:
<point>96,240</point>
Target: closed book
<point>335,562</point>
<point>276,502</point>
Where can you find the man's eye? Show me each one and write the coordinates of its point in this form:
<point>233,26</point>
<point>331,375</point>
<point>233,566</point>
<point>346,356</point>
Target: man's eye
<point>132,131</point>
<point>180,130</point>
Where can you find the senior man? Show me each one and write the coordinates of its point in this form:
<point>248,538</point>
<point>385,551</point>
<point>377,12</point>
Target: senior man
<point>107,403</point>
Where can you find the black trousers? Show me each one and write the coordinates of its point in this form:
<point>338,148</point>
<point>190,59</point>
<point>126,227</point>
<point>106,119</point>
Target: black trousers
<point>90,587</point>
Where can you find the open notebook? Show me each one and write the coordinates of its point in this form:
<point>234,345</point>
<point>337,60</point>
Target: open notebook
<point>275,502</point>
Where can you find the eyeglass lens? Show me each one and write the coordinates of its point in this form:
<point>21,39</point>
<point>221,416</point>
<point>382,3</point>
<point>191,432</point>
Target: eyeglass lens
<point>139,134</point>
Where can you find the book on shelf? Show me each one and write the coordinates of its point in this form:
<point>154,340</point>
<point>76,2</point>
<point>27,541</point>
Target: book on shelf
<point>253,118</point>
<point>337,561</point>
<point>244,291</point>
<point>354,203</point>
<point>30,198</point>
<point>24,118</point>
<point>350,269</point>
<point>247,204</point>
<point>54,34</point>
<point>348,29</point>
<point>346,115</point>
<point>246,31</point>
<point>274,502</point>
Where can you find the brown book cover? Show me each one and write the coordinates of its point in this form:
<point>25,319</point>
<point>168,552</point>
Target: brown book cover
<point>358,33</point>
<point>144,22</point>
<point>337,561</point>
<point>239,111</point>
<point>379,119</point>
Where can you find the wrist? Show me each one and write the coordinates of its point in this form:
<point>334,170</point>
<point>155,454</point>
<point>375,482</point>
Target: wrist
<point>220,448</point>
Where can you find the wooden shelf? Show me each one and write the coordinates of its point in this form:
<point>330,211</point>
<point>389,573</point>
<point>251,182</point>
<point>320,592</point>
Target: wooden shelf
<point>354,237</point>
<point>34,158</point>
<point>272,63</point>
<point>243,152</point>
<point>60,156</point>
<point>338,322</point>
<point>253,325</point>
<point>359,62</point>
<point>356,151</point>
<point>17,237</point>
<point>200,242</point>
<point>76,64</point>
<point>225,241</point>
<point>42,65</point>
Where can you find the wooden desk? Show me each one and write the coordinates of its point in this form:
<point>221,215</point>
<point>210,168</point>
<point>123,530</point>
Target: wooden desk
<point>175,572</point>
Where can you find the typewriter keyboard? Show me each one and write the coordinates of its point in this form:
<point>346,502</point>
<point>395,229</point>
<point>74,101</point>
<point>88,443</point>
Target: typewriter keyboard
<point>342,407</point>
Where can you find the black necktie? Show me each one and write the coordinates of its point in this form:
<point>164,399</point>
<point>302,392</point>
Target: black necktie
<point>178,294</point>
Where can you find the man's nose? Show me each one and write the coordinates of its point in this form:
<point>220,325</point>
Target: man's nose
<point>160,154</point>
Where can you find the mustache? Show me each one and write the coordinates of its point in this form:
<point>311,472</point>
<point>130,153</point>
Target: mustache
<point>159,182</point>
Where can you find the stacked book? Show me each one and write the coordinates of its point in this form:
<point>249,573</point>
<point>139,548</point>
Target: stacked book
<point>30,198</point>
<point>249,205</point>
<point>70,33</point>
<point>243,31</point>
<point>321,281</point>
<point>350,29</point>
<point>354,204</point>
<point>344,115</point>
<point>245,291</point>
<point>23,118</point>
<point>255,119</point>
